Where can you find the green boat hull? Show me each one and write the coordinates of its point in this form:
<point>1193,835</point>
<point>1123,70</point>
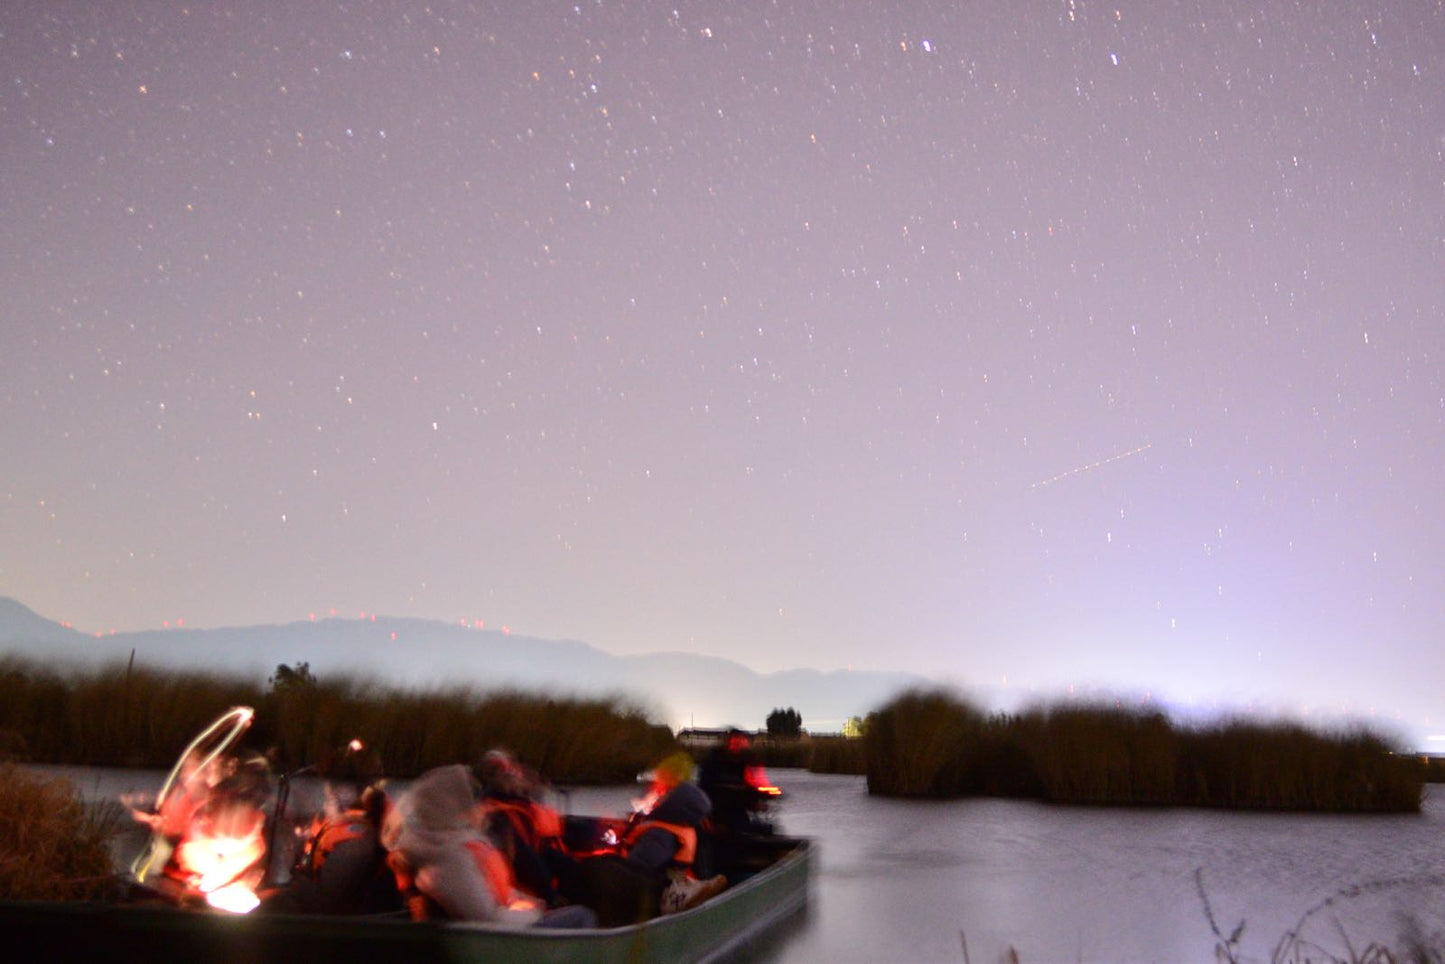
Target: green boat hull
<point>724,927</point>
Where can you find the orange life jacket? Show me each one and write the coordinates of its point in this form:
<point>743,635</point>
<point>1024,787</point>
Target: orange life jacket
<point>495,868</point>
<point>327,835</point>
<point>532,821</point>
<point>419,905</point>
<point>686,839</point>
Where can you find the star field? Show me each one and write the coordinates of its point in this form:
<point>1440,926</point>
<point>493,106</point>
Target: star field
<point>1048,344</point>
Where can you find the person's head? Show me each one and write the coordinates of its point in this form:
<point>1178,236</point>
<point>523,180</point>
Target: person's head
<point>355,763</point>
<point>499,773</point>
<point>441,799</point>
<point>348,771</point>
<point>671,772</point>
<point>737,741</point>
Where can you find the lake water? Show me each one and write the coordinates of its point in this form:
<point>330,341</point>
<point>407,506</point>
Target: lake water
<point>971,880</point>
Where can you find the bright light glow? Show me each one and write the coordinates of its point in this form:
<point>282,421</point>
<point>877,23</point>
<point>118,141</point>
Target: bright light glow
<point>234,899</point>
<point>218,856</point>
<point>232,724</point>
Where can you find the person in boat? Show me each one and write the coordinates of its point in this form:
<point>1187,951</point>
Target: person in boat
<point>651,870</point>
<point>447,868</point>
<point>732,777</point>
<point>222,843</point>
<point>524,829</point>
<point>662,840</point>
<point>342,866</point>
<point>172,816</point>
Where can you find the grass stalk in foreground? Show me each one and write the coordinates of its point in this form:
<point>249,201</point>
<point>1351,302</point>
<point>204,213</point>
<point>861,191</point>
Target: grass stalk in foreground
<point>52,847</point>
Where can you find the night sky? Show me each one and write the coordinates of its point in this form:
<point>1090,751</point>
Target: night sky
<point>1012,343</point>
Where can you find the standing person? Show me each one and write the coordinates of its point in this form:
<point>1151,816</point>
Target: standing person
<point>445,865</point>
<point>731,777</point>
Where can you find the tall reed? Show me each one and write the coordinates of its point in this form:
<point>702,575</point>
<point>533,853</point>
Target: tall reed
<point>934,744</point>
<point>916,745</point>
<point>143,717</point>
<point>837,754</point>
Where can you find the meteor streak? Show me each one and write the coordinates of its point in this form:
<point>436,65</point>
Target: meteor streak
<point>1091,465</point>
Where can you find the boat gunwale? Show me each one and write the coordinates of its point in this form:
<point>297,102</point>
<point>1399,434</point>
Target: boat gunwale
<point>703,934</point>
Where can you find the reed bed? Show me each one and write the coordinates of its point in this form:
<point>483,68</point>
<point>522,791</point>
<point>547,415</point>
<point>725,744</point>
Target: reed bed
<point>932,744</point>
<point>837,754</point>
<point>817,753</point>
<point>141,717</point>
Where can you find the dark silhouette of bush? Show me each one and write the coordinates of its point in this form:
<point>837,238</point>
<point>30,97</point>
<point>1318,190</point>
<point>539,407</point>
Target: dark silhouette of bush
<point>917,744</point>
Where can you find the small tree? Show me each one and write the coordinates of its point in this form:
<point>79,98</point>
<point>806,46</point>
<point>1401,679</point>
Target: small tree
<point>785,723</point>
<point>289,679</point>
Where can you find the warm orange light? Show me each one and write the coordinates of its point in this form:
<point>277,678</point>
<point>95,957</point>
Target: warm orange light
<point>221,848</point>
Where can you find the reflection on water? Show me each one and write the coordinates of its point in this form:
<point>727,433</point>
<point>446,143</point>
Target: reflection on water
<point>922,881</point>
<point>913,880</point>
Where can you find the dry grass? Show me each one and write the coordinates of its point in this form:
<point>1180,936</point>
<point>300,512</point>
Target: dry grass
<point>52,847</point>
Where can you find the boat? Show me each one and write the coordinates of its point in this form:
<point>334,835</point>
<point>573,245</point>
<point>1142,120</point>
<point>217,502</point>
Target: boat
<point>154,919</point>
<point>769,889</point>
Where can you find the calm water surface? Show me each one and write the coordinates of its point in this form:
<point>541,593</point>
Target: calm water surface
<point>916,880</point>
<point>921,881</point>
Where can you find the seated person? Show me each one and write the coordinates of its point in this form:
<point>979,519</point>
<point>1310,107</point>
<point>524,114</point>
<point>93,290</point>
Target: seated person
<point>652,869</point>
<point>446,867</point>
<point>662,834</point>
<point>222,821</point>
<point>342,867</point>
<point>525,830</point>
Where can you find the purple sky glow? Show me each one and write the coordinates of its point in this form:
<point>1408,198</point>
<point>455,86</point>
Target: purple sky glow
<point>1016,344</point>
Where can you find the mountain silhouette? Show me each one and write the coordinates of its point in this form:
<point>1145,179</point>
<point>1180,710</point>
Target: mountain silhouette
<point>680,689</point>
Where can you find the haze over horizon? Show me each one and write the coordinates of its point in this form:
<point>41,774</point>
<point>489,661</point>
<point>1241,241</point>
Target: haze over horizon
<point>1027,345</point>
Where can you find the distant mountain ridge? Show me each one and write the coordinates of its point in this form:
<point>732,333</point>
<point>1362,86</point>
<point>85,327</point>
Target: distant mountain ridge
<point>678,688</point>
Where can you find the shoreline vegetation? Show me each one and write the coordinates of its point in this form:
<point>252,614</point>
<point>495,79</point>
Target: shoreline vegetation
<point>931,744</point>
<point>923,744</point>
<point>133,716</point>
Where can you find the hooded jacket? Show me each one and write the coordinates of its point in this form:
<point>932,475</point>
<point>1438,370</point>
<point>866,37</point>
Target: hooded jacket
<point>431,835</point>
<point>668,835</point>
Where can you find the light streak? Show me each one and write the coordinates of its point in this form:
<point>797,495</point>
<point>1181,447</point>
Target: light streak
<point>1092,465</point>
<point>234,722</point>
